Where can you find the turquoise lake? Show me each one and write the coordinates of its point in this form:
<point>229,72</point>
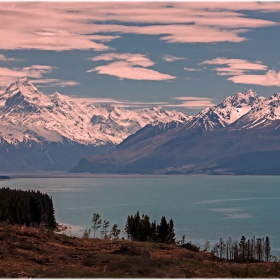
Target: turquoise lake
<point>202,207</point>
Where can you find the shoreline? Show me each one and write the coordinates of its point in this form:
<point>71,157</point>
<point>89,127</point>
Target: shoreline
<point>111,175</point>
<point>92,175</point>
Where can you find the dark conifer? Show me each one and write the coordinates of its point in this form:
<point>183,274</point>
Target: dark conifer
<point>26,207</point>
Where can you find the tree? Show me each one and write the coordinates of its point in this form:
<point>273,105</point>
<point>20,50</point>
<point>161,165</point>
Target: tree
<point>229,255</point>
<point>170,234</point>
<point>86,233</point>
<point>115,231</point>
<point>216,250</point>
<point>259,250</point>
<point>207,245</point>
<point>128,227</point>
<point>267,249</point>
<point>153,231</point>
<point>96,222</point>
<point>222,246</point>
<point>183,239</point>
<point>104,230</point>
<point>242,246</point>
<point>144,228</point>
<point>162,229</point>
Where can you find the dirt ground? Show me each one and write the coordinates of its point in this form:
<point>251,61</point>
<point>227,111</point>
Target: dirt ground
<point>29,252</point>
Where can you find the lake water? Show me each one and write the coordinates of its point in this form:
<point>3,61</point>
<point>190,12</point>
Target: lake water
<point>202,207</point>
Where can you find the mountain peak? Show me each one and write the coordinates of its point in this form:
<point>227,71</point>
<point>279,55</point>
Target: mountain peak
<point>275,96</point>
<point>241,99</point>
<point>23,80</point>
<point>158,108</point>
<point>108,107</point>
<point>57,96</point>
<point>22,86</point>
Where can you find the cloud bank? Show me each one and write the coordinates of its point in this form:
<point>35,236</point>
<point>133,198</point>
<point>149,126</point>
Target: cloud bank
<point>88,25</point>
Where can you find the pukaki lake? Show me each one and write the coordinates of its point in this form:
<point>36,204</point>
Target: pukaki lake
<point>202,207</point>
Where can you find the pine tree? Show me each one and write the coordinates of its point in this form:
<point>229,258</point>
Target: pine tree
<point>171,234</point>
<point>162,229</point>
<point>267,249</point>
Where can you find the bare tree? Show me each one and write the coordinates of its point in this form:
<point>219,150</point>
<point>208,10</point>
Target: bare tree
<point>207,245</point>
<point>96,222</point>
<point>104,229</point>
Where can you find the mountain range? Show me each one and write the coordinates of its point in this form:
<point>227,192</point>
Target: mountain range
<point>55,132</point>
<point>41,132</point>
<point>240,135</point>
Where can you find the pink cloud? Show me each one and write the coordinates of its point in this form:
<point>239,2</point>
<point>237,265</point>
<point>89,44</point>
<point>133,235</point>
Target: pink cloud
<point>239,68</point>
<point>4,58</point>
<point>192,102</point>
<point>126,67</point>
<point>54,25</point>
<point>133,59</point>
<point>126,70</point>
<point>54,83</point>
<point>235,66</point>
<point>36,72</point>
<point>171,58</point>
<point>176,33</point>
<point>191,69</point>
<point>118,103</point>
<point>271,78</point>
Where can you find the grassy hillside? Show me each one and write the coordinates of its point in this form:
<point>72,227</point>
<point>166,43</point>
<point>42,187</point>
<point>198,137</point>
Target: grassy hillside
<point>30,252</point>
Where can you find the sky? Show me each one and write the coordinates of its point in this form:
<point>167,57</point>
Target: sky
<point>181,55</point>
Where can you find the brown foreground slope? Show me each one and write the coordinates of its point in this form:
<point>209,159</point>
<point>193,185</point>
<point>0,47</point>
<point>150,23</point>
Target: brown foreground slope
<point>28,252</point>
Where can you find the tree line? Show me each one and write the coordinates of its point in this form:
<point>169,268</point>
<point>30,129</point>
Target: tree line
<point>30,208</point>
<point>137,228</point>
<point>246,250</point>
<point>140,228</point>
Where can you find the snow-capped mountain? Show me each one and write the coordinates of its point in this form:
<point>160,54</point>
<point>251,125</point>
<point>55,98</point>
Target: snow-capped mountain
<point>30,119</point>
<point>26,113</point>
<point>262,114</point>
<point>226,112</point>
<point>240,135</point>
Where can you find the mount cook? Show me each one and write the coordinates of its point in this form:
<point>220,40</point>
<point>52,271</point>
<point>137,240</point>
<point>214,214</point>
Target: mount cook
<point>41,132</point>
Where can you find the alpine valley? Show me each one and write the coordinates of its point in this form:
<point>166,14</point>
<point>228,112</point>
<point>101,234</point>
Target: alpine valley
<point>41,132</point>
<point>241,135</point>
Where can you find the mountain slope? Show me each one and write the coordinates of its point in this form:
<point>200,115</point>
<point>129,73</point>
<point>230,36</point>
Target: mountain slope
<point>226,112</point>
<point>263,114</point>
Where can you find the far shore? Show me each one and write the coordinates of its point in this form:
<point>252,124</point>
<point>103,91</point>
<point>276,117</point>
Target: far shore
<point>90,175</point>
<point>59,174</point>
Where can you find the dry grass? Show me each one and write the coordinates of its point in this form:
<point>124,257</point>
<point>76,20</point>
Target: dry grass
<point>28,252</point>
